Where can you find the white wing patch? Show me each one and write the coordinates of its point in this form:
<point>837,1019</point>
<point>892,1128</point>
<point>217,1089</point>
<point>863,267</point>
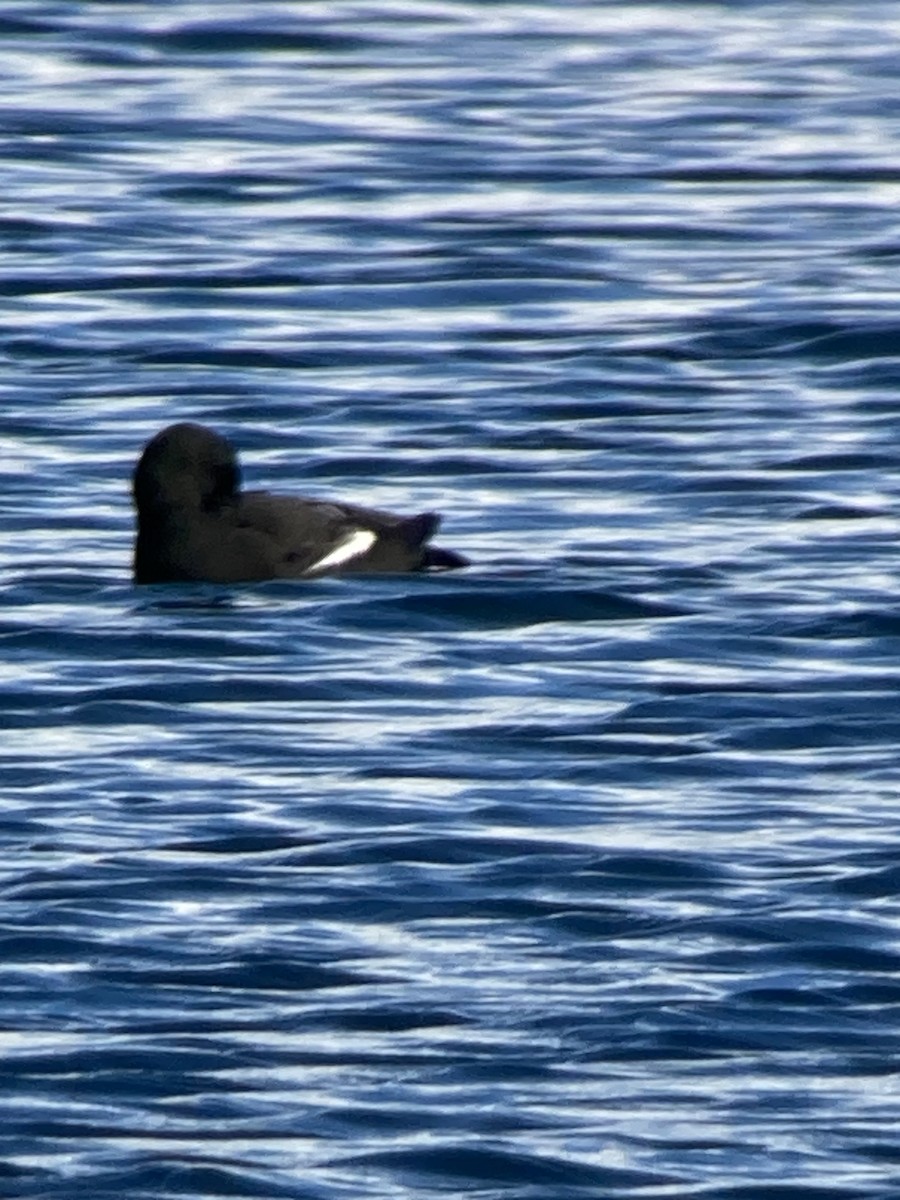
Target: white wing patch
<point>357,542</point>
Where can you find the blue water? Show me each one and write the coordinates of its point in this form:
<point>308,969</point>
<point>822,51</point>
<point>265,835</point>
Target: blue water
<point>574,874</point>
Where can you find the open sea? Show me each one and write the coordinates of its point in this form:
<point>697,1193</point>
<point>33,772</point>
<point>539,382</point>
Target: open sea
<point>574,874</point>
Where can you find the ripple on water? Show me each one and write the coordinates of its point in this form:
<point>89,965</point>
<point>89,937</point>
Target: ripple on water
<point>571,874</point>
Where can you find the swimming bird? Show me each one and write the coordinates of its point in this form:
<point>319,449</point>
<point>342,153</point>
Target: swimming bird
<point>195,523</point>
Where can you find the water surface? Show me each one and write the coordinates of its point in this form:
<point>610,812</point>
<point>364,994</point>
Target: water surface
<point>572,874</point>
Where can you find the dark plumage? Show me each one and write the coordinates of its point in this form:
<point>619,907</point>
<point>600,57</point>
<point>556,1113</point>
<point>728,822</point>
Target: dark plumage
<point>194,523</point>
